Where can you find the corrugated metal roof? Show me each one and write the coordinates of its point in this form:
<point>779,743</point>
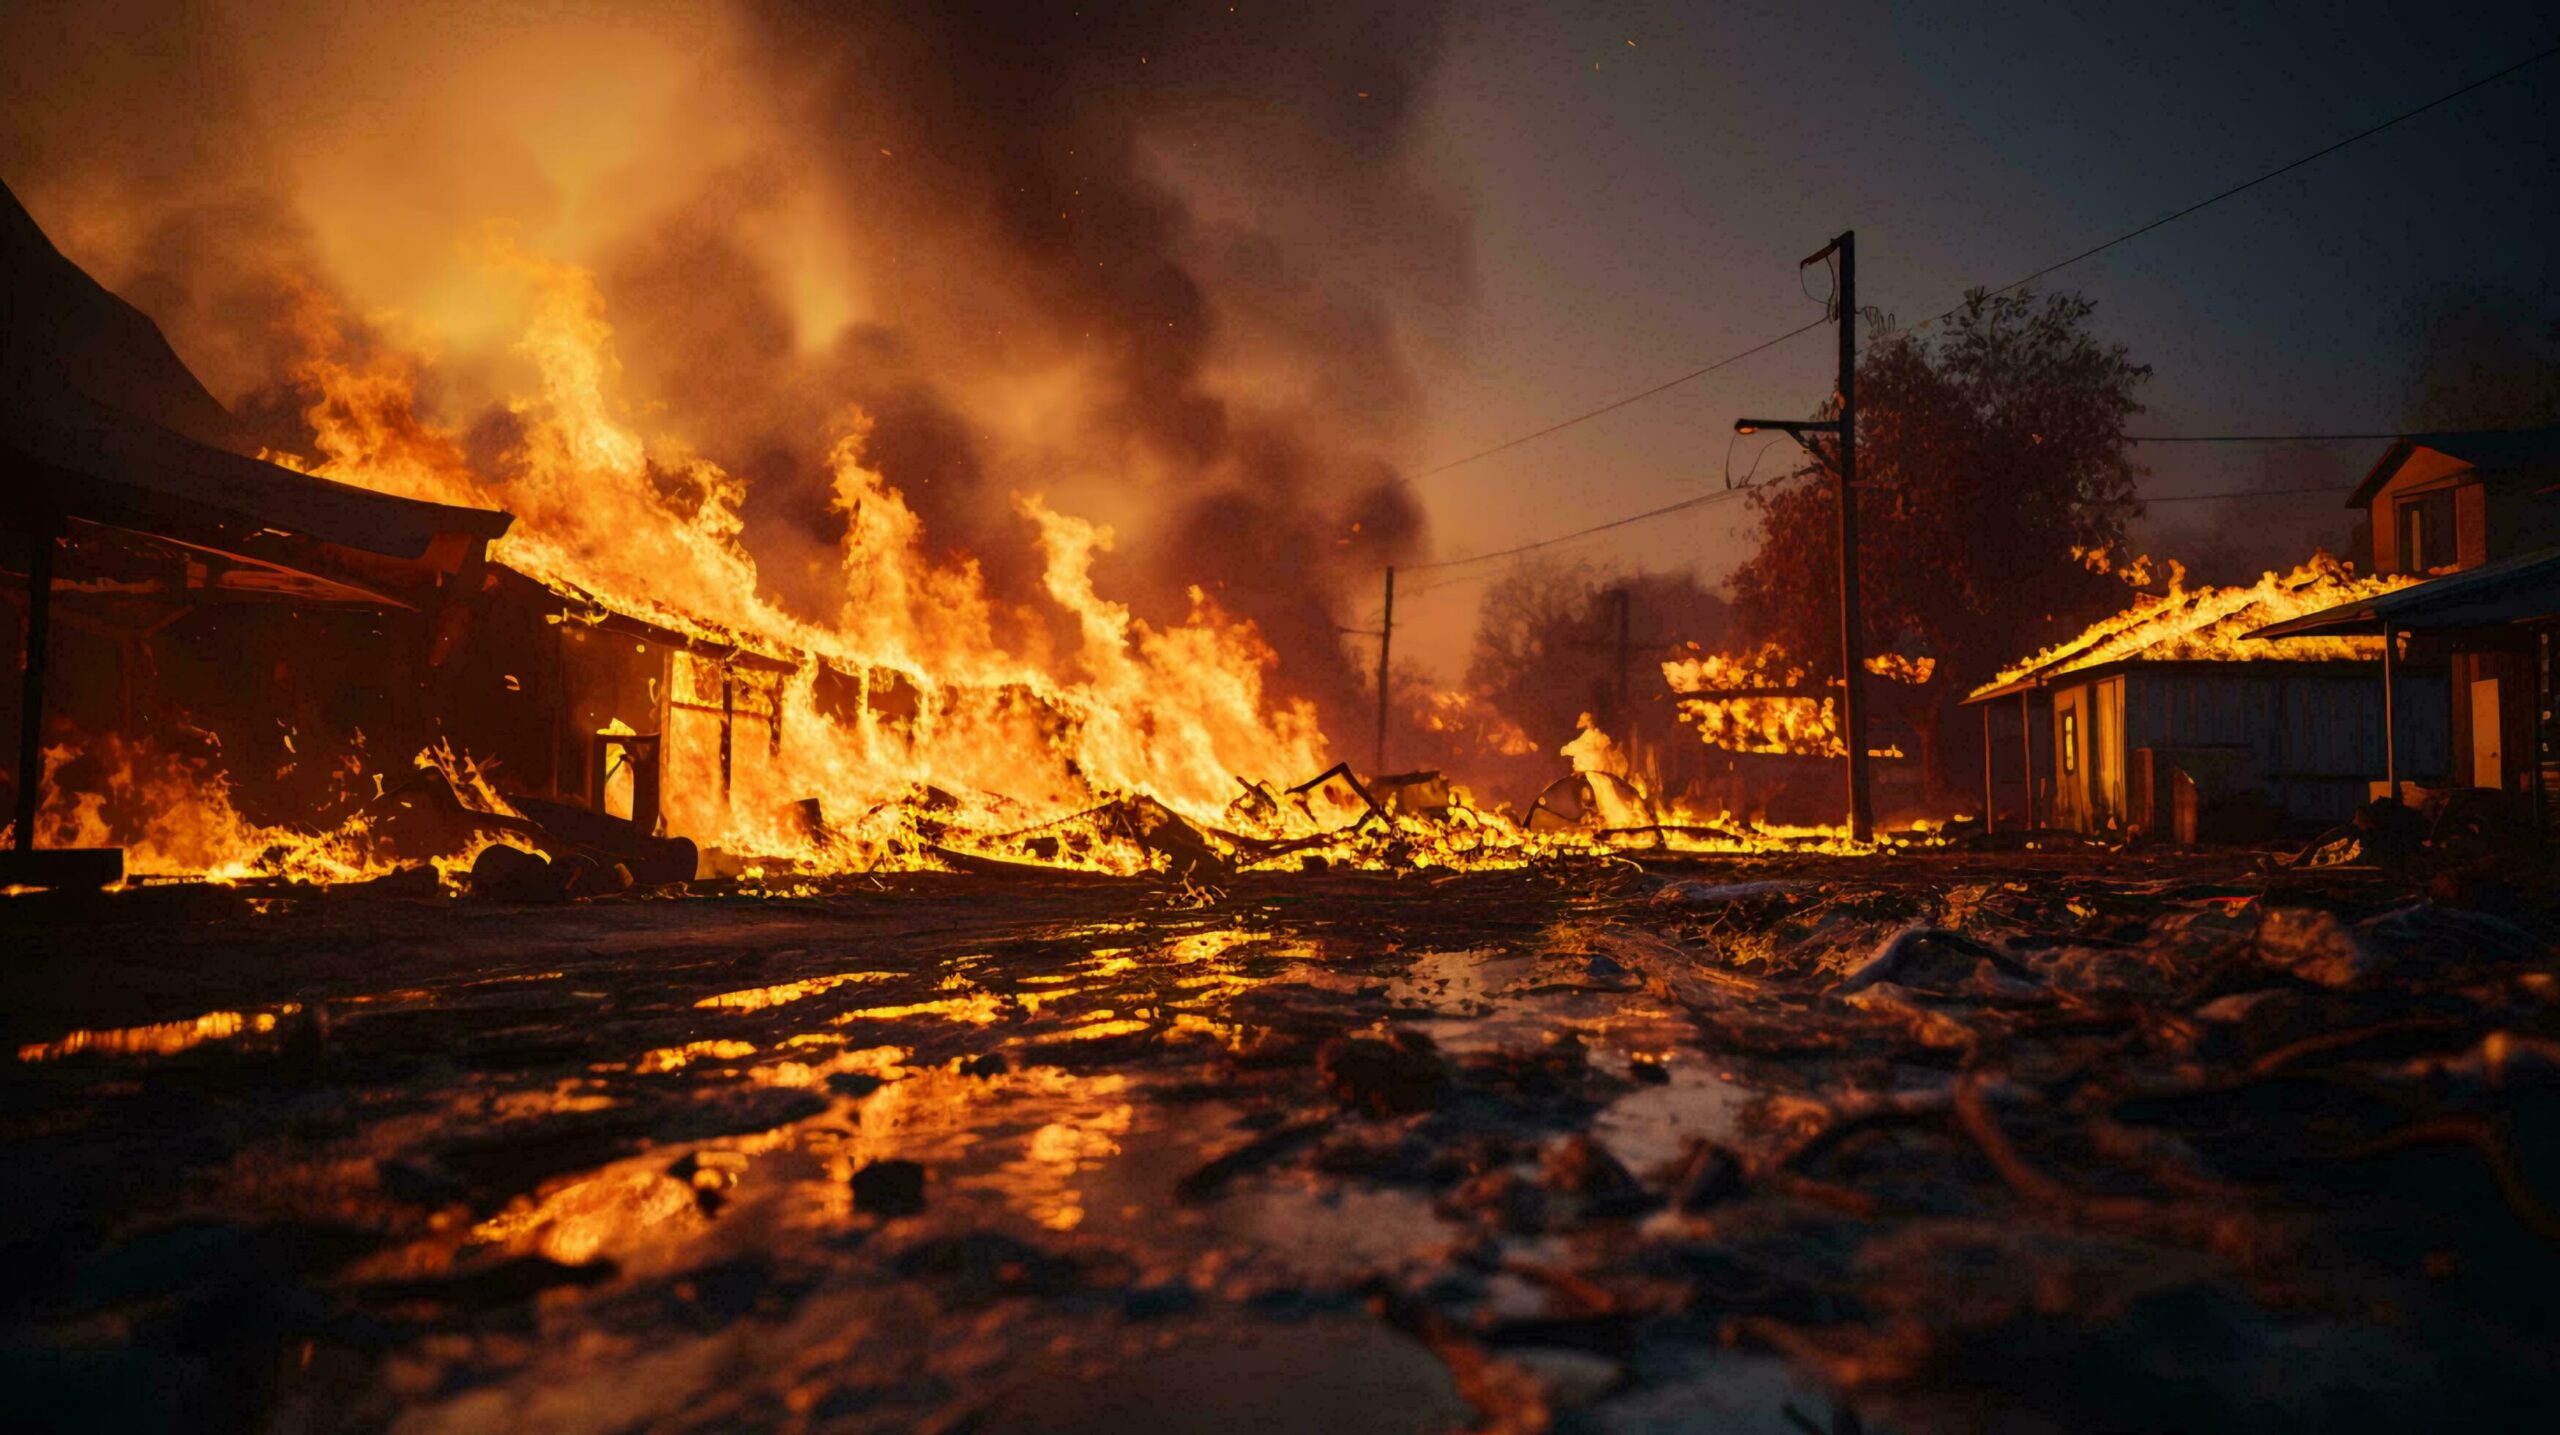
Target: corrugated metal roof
<point>2207,625</point>
<point>107,424</point>
<point>2510,590</point>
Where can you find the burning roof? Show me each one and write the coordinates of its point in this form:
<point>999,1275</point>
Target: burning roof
<point>95,405</point>
<point>2210,625</point>
<point>2512,590</point>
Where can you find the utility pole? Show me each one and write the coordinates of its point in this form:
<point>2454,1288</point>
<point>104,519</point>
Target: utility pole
<point>1386,638</point>
<point>1853,650</point>
<point>1844,471</point>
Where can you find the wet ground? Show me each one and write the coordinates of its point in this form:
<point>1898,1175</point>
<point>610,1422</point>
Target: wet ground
<point>2020,1142</point>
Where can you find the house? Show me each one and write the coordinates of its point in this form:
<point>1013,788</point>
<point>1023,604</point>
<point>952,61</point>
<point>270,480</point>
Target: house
<point>2499,625</point>
<point>129,521</point>
<point>303,637</point>
<point>2170,718</point>
<point>2443,501</point>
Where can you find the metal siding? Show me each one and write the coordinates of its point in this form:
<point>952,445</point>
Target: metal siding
<point>2317,737</point>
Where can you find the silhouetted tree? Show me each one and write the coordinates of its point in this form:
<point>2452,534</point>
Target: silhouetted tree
<point>1988,451</point>
<point>1545,654</point>
<point>2484,362</point>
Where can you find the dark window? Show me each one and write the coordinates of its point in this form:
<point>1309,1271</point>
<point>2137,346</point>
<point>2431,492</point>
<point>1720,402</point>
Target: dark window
<point>2426,532</point>
<point>2070,743</point>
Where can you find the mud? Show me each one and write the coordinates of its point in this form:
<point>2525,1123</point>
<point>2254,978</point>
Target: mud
<point>2012,1142</point>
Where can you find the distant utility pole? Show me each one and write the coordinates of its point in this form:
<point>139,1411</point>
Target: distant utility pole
<point>1386,638</point>
<point>1853,653</point>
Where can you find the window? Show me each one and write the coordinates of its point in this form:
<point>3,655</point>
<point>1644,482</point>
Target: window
<point>2426,532</point>
<point>2070,743</point>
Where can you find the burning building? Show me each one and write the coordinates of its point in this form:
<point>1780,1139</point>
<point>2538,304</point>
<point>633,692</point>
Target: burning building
<point>148,558</point>
<point>320,667</point>
<point>2499,626</point>
<point>2172,718</point>
<point>224,656</point>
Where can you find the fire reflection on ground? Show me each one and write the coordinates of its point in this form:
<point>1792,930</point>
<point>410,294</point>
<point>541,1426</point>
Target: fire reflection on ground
<point>1540,1144</point>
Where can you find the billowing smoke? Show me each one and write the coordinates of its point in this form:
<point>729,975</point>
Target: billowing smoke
<point>1158,261</point>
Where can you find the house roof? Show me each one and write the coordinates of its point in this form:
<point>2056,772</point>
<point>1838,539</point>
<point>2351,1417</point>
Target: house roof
<point>2493,450</point>
<point>109,467</point>
<point>2512,590</point>
<point>671,628</point>
<point>2208,625</point>
<point>100,420</point>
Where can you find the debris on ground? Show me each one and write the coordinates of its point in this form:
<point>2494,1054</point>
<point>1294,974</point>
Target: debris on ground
<point>2051,1139</point>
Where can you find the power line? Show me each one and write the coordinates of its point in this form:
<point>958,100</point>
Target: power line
<point>2254,437</point>
<point>2284,169</point>
<point>1703,501</point>
<point>1612,407</point>
<point>2367,133</point>
<point>1684,505</point>
<point>2329,488</point>
<point>2306,437</point>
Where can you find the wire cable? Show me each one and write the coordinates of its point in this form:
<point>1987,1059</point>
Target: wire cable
<point>2322,153</point>
<point>2244,186</point>
<point>1585,417</point>
<point>2307,437</point>
<point>1684,505</point>
<point>2329,488</point>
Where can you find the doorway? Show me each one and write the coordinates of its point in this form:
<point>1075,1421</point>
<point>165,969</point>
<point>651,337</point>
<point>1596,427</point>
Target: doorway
<point>2488,733</point>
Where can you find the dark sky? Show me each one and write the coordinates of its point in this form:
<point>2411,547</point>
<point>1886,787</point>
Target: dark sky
<point>1639,210</point>
<point>1581,200</point>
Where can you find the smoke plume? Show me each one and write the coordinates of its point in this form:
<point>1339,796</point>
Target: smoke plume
<point>1155,261</point>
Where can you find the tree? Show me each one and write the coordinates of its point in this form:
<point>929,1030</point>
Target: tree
<point>2485,362</point>
<point>1990,452</point>
<point>1546,653</point>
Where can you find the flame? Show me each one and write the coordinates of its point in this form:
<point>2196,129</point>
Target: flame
<point>1001,739</point>
<point>173,814</point>
<point>2211,624</point>
<point>1452,712</point>
<point>1726,702</point>
<point>1125,746</point>
<point>2137,570</point>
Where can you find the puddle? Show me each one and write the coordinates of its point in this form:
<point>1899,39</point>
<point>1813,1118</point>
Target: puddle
<point>1460,983</point>
<point>759,998</point>
<point>1651,1127</point>
<point>166,1038</point>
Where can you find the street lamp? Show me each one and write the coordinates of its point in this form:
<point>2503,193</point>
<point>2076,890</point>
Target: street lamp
<point>1795,429</point>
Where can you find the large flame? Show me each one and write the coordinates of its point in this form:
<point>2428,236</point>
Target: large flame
<point>1178,713</point>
